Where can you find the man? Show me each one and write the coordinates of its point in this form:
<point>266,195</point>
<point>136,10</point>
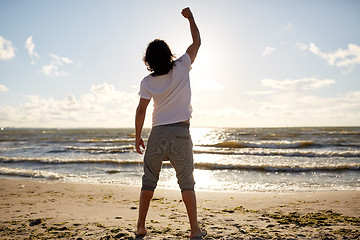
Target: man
<point>170,140</point>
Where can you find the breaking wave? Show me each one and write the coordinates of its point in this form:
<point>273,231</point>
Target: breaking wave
<point>96,150</point>
<point>199,165</point>
<point>279,168</point>
<point>19,172</point>
<point>269,144</point>
<point>68,161</point>
<point>280,152</point>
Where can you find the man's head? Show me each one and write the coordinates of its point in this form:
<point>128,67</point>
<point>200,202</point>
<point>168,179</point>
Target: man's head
<point>158,57</point>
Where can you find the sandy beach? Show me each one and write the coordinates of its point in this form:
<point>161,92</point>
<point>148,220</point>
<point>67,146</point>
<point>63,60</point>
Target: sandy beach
<point>33,209</point>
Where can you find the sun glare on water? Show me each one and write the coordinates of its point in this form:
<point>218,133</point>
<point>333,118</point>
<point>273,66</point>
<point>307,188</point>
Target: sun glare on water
<point>202,136</point>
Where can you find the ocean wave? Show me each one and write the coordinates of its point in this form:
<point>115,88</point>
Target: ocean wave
<point>19,172</point>
<point>70,140</point>
<point>107,140</point>
<point>279,168</point>
<point>199,165</point>
<point>68,161</point>
<point>264,144</point>
<point>279,152</point>
<point>96,150</point>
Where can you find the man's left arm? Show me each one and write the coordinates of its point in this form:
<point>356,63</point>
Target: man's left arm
<point>139,123</point>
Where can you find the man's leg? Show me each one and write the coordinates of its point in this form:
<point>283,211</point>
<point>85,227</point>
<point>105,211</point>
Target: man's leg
<point>152,167</point>
<point>189,198</point>
<point>145,198</point>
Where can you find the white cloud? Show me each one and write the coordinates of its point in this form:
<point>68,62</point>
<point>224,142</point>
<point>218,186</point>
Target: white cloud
<point>50,70</point>
<point>291,102</point>
<point>106,106</point>
<point>102,106</point>
<point>297,84</point>
<point>7,51</point>
<point>103,89</point>
<point>342,58</point>
<point>268,51</point>
<point>293,109</point>
<point>287,26</point>
<point>3,88</point>
<point>53,69</point>
<point>286,109</point>
<point>302,46</point>
<point>30,46</point>
<point>66,60</point>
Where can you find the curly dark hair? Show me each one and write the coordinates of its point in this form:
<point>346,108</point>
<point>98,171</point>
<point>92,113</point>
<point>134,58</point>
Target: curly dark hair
<point>158,58</point>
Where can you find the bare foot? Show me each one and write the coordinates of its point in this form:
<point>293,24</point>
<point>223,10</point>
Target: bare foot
<point>198,234</point>
<point>140,233</point>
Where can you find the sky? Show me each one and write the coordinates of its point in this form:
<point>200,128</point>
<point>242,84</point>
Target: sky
<point>280,63</point>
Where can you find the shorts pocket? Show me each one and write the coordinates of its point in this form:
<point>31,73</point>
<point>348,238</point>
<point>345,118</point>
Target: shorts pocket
<point>183,143</point>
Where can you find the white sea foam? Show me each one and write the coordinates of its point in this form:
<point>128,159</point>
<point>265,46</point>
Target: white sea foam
<point>20,172</point>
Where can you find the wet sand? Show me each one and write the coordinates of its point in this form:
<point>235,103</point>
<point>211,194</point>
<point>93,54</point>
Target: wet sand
<point>32,209</point>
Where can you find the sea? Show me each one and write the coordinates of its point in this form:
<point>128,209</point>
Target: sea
<point>226,159</point>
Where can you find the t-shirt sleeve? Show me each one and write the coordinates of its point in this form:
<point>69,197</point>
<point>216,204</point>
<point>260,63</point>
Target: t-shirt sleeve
<point>144,93</point>
<point>186,61</point>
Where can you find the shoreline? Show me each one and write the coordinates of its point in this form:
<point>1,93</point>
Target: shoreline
<point>54,209</point>
<point>225,191</point>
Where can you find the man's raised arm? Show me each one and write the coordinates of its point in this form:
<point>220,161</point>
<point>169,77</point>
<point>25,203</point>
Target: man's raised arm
<point>195,34</point>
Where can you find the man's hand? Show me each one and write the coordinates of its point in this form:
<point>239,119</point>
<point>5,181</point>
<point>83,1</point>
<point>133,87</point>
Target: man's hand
<point>186,13</point>
<point>139,143</point>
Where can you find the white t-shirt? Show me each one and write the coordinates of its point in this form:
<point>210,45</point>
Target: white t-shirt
<point>171,93</point>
